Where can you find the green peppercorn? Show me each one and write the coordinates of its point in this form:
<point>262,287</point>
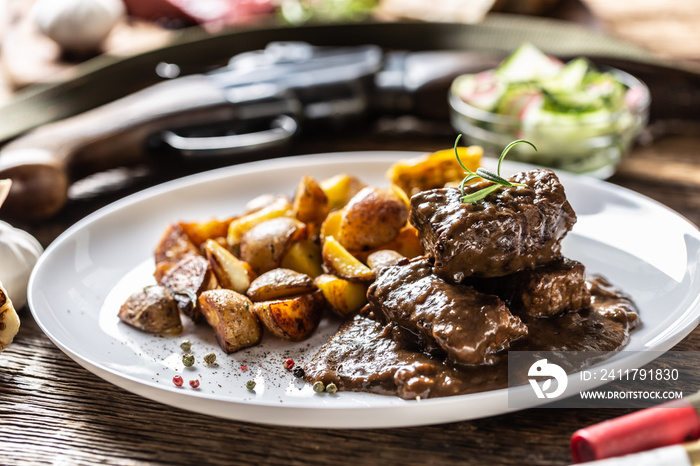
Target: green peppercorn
<point>250,385</point>
<point>331,388</point>
<point>319,387</point>
<point>210,358</point>
<point>188,359</point>
<point>186,345</point>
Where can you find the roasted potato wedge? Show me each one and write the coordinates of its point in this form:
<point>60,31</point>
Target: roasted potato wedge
<point>174,246</point>
<point>280,283</point>
<point>310,203</point>
<point>407,243</point>
<point>152,310</point>
<point>305,257</point>
<point>338,261</point>
<point>434,170</point>
<point>231,272</point>
<point>383,258</point>
<point>340,189</point>
<point>231,316</point>
<point>344,297</point>
<point>264,245</point>
<point>331,226</point>
<point>238,227</point>
<point>262,201</point>
<point>199,232</point>
<point>292,318</point>
<point>186,281</point>
<point>372,217</point>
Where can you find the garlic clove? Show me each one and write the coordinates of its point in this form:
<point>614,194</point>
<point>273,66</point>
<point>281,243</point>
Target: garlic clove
<point>78,25</point>
<point>4,189</point>
<point>9,320</point>
<point>19,252</point>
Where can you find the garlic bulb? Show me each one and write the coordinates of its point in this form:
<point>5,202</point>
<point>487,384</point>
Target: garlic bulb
<point>9,320</point>
<point>77,25</point>
<point>19,252</point>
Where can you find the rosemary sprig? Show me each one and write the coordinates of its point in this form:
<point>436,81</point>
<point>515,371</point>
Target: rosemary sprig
<point>487,175</point>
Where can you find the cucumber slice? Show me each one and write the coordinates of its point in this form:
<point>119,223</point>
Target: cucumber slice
<point>528,63</point>
<point>482,90</point>
<point>609,89</point>
<point>518,97</point>
<point>573,102</point>
<point>570,78</point>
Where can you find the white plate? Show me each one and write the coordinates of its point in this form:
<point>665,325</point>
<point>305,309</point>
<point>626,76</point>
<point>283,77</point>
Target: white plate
<point>84,276</point>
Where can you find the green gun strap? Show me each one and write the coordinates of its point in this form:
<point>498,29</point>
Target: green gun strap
<point>106,78</point>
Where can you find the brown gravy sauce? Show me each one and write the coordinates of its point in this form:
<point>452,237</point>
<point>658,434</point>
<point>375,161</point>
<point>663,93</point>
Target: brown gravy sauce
<point>368,356</point>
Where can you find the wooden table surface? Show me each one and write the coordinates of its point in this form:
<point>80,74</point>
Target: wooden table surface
<point>54,411</point>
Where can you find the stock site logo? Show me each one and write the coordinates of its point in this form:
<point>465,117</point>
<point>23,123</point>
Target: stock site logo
<point>542,368</point>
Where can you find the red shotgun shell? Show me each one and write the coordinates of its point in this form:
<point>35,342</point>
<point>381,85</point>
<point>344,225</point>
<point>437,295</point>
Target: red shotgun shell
<point>668,424</point>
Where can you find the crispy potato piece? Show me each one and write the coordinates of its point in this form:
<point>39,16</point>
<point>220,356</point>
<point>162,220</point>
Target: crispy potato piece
<point>372,217</point>
<point>433,170</point>
<point>239,226</point>
<point>401,194</point>
<point>264,245</point>
<point>331,226</point>
<point>231,316</point>
<point>310,203</point>
<point>174,246</point>
<point>152,310</point>
<point>186,281</point>
<point>231,272</point>
<point>199,232</point>
<point>262,201</point>
<point>292,318</point>
<point>345,297</point>
<point>407,243</point>
<point>340,189</point>
<point>383,258</point>
<point>338,261</point>
<point>305,257</point>
<point>280,283</point>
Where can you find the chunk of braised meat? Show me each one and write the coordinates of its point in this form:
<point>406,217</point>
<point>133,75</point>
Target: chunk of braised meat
<point>544,291</point>
<point>511,229</point>
<point>612,303</point>
<point>468,326</point>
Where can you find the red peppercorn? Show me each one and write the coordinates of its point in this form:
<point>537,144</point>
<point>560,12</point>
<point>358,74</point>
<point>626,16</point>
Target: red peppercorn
<point>194,383</point>
<point>177,380</point>
<point>244,368</point>
<point>288,364</point>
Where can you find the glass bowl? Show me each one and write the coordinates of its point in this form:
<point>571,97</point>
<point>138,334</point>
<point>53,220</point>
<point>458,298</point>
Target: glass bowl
<point>591,144</point>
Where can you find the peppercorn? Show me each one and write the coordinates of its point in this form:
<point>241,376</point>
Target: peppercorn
<point>177,380</point>
<point>319,387</point>
<point>188,359</point>
<point>194,383</point>
<point>331,388</point>
<point>298,372</point>
<point>210,358</point>
<point>250,385</point>
<point>186,345</point>
<point>288,364</point>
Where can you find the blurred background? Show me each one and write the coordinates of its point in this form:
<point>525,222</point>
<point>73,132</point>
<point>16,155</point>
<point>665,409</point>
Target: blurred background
<point>42,39</point>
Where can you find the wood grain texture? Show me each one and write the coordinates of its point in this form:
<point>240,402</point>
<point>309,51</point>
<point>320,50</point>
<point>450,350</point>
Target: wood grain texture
<point>54,411</point>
